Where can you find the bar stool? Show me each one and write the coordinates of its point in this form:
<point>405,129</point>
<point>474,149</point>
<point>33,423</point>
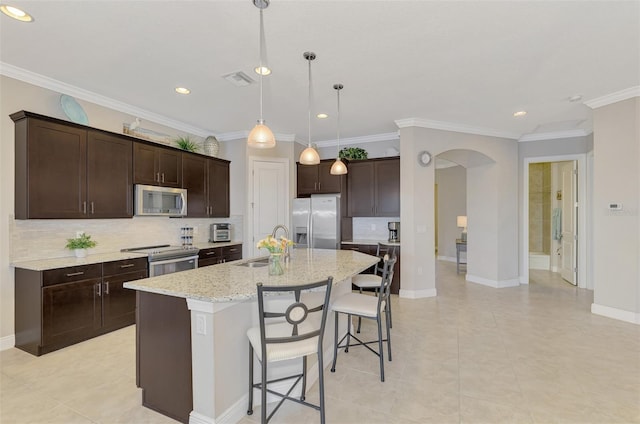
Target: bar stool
<point>372,281</point>
<point>296,333</point>
<point>365,306</point>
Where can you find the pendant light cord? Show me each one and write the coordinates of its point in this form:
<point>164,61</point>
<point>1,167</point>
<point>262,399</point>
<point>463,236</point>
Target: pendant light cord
<point>338,90</point>
<point>309,60</point>
<point>261,57</point>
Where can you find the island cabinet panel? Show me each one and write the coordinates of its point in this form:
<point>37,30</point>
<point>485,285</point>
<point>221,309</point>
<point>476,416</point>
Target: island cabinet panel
<point>219,255</point>
<point>163,354</point>
<point>65,170</point>
<point>59,307</point>
<point>207,184</point>
<point>156,165</point>
<point>373,188</point>
<point>317,179</point>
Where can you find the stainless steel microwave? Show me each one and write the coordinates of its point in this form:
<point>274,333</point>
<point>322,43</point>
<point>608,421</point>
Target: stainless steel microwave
<point>160,201</point>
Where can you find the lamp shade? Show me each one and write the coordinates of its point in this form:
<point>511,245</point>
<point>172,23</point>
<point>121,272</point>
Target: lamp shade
<point>309,156</point>
<point>461,221</point>
<point>261,137</point>
<point>338,168</point>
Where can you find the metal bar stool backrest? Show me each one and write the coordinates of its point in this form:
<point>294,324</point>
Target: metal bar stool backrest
<point>296,313</point>
<point>381,251</point>
<point>388,265</point>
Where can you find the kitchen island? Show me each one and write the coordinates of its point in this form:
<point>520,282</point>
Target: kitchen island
<point>197,321</point>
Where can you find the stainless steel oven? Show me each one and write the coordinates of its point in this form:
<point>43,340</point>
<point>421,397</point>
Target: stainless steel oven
<point>166,259</point>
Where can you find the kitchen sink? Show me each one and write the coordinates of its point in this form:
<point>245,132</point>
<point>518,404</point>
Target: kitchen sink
<point>254,263</point>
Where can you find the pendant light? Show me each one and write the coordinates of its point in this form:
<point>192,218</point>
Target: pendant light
<point>338,167</point>
<point>309,156</point>
<point>261,137</point>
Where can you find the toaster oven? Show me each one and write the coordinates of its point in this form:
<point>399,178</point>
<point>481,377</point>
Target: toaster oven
<point>219,233</point>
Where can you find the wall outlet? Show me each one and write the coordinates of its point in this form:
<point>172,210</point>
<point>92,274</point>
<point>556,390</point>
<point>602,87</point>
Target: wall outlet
<point>201,325</point>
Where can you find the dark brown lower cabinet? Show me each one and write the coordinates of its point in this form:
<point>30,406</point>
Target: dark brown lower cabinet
<point>219,255</point>
<point>163,354</point>
<point>59,307</point>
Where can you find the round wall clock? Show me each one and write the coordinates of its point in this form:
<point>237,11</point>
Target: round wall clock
<point>424,158</point>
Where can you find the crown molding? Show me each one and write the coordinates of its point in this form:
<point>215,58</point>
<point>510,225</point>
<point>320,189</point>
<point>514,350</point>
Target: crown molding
<point>451,126</point>
<point>554,135</point>
<point>243,134</point>
<point>618,96</point>
<point>79,93</point>
<point>360,140</point>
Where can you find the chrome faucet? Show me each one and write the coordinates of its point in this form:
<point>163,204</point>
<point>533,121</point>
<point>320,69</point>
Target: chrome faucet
<point>286,234</point>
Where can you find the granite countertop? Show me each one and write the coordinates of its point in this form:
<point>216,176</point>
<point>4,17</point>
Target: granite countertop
<point>96,258</point>
<point>229,282</point>
<point>370,242</point>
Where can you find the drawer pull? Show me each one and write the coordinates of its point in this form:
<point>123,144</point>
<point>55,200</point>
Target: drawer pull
<point>73,274</point>
<point>210,253</point>
<point>127,266</point>
<point>233,250</point>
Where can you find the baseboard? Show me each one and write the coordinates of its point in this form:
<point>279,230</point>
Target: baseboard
<point>7,342</point>
<point>239,409</point>
<point>196,418</point>
<point>615,313</point>
<point>447,258</point>
<point>417,294</point>
<point>514,282</point>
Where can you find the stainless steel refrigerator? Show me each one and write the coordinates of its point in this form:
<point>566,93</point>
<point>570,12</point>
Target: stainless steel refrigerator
<point>316,221</point>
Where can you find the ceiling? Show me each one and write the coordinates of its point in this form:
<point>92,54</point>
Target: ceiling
<point>470,64</point>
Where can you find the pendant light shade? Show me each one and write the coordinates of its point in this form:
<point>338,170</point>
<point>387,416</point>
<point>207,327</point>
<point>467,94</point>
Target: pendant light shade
<point>338,167</point>
<point>261,137</point>
<point>309,156</point>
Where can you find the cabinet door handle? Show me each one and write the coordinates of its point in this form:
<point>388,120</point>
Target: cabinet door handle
<point>319,185</point>
<point>127,266</point>
<point>158,177</point>
<point>315,185</point>
<point>73,274</point>
<point>84,207</point>
<point>163,177</point>
<point>92,208</point>
<point>106,288</point>
<point>99,289</point>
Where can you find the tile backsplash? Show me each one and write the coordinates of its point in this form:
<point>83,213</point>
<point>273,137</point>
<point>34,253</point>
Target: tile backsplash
<point>372,228</point>
<point>41,239</point>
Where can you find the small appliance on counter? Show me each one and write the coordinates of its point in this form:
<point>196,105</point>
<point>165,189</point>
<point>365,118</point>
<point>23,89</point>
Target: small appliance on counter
<point>219,233</point>
<point>394,231</point>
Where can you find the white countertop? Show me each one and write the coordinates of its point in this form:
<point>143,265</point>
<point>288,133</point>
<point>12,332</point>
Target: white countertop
<point>96,258</point>
<point>229,282</point>
<point>370,242</point>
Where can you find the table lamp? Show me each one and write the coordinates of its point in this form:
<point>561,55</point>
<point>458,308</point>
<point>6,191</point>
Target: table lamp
<point>462,223</point>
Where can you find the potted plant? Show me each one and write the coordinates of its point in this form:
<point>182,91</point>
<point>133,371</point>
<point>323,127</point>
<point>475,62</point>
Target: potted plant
<point>185,143</point>
<point>80,244</point>
<point>353,153</point>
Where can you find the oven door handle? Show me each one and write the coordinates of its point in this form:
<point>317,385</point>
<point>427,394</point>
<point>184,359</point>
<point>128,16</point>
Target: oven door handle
<point>174,260</point>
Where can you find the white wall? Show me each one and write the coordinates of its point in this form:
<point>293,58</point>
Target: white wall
<point>452,202</point>
<point>616,238</point>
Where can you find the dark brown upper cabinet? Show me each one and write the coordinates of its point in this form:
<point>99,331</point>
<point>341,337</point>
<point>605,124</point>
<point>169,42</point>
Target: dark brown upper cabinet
<point>63,170</point>
<point>373,188</point>
<point>317,179</point>
<point>207,184</point>
<point>157,165</point>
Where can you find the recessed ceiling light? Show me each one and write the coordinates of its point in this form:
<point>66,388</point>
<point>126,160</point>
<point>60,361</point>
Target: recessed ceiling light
<point>322,116</point>
<point>519,113</point>
<point>182,90</point>
<point>264,70</point>
<point>15,13</point>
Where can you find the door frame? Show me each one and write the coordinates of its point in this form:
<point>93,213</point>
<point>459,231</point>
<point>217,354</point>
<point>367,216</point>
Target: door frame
<point>581,254</point>
<point>250,171</point>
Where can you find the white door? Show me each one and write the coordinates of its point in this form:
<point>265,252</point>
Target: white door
<point>569,241</point>
<point>269,202</point>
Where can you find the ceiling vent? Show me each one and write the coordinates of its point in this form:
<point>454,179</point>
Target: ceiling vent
<point>239,79</point>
